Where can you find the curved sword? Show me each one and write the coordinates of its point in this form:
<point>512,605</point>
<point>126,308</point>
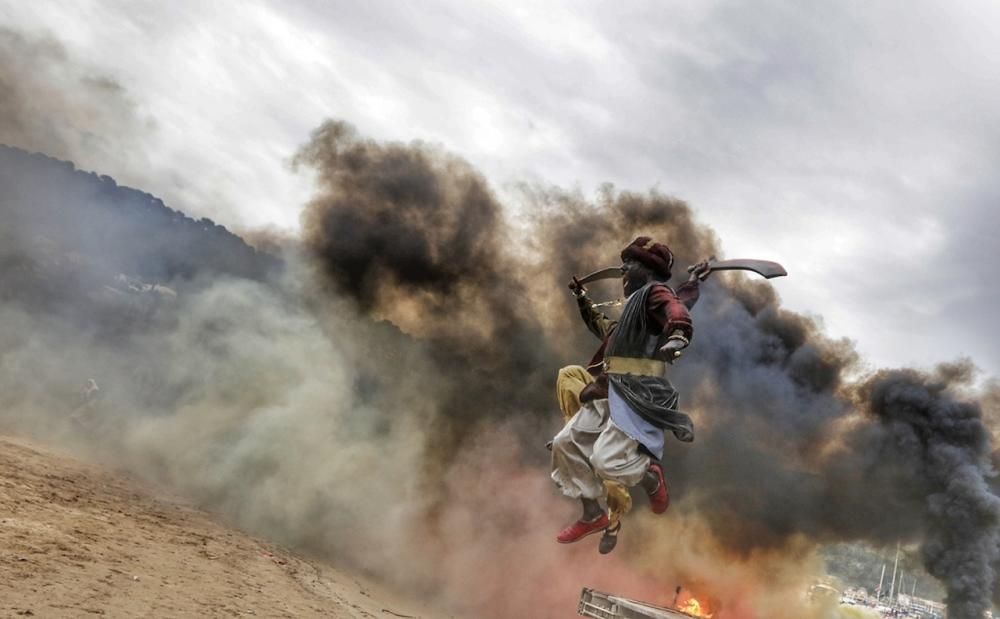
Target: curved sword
<point>767,268</point>
<point>608,273</point>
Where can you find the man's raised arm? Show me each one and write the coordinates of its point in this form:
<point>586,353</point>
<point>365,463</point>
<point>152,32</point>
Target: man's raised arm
<point>598,324</point>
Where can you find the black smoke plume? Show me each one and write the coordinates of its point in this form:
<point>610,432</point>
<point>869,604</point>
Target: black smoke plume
<point>942,441</point>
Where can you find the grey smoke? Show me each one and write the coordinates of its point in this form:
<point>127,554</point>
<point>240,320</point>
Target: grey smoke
<point>56,104</point>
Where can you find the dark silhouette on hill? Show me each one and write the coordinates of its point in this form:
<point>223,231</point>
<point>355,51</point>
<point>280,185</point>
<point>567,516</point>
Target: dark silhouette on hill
<point>49,205</point>
<point>70,240</point>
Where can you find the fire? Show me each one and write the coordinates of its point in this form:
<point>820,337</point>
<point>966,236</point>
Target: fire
<point>693,608</point>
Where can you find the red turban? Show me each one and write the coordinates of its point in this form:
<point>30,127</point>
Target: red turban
<point>655,256</point>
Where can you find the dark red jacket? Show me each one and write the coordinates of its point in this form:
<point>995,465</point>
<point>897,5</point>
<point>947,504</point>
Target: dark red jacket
<point>666,310</point>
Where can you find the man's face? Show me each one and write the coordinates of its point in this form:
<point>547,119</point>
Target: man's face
<point>634,276</point>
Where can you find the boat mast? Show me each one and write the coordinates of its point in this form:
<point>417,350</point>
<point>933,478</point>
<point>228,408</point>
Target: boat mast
<point>881,581</point>
<point>892,587</point>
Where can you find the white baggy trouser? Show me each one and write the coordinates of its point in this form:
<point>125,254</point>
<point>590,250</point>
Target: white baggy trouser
<point>591,448</point>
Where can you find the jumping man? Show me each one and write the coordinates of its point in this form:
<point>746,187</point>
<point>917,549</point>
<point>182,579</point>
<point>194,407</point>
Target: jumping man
<point>617,435</point>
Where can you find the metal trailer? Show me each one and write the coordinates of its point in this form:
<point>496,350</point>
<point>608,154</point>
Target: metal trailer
<point>600,605</point>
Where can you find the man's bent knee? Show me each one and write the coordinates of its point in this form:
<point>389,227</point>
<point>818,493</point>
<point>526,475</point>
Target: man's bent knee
<point>602,466</point>
<point>618,467</point>
<point>577,372</point>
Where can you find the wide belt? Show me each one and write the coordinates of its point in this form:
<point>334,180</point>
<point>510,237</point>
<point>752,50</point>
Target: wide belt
<point>635,366</point>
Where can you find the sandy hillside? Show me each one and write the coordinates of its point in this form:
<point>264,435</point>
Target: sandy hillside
<point>76,541</point>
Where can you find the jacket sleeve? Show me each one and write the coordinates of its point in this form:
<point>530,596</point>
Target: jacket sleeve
<point>669,312</point>
<point>688,293</point>
<point>599,324</point>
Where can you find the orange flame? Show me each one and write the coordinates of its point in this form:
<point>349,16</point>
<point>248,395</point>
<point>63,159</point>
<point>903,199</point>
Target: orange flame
<point>693,608</point>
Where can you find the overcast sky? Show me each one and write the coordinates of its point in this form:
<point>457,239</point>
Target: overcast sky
<point>855,142</point>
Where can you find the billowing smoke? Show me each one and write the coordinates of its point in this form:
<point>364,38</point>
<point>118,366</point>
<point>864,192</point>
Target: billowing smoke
<point>786,449</point>
<point>385,398</point>
<point>417,238</point>
<point>944,441</point>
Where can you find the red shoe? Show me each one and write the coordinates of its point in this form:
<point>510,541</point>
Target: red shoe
<point>659,499</point>
<point>581,529</point>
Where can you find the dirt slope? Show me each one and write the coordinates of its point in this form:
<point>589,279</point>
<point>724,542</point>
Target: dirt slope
<point>76,541</point>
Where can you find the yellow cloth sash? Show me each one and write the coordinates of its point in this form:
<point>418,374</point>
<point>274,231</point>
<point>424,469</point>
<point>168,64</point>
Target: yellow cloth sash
<point>635,366</point>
